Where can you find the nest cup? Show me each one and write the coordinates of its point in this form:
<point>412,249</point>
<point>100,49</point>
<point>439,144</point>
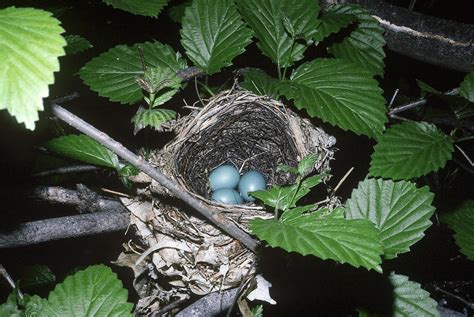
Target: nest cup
<point>235,127</point>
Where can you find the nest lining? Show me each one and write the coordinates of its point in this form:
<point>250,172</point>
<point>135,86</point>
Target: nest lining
<point>252,137</point>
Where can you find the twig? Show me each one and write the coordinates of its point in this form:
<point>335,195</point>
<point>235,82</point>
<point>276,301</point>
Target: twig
<point>393,98</point>
<point>419,102</point>
<point>168,307</point>
<point>66,170</point>
<point>216,218</point>
<point>465,155</point>
<point>8,278</point>
<point>459,298</point>
<point>343,179</point>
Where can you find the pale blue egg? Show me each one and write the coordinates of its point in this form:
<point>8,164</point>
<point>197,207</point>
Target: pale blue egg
<point>250,182</point>
<point>225,176</point>
<point>227,196</point>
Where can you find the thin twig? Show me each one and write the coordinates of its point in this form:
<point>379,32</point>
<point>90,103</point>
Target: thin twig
<point>343,179</point>
<point>197,92</point>
<point>168,307</point>
<point>419,102</point>
<point>8,278</point>
<point>393,98</point>
<point>215,217</point>
<point>66,170</point>
<point>465,155</point>
<point>459,298</point>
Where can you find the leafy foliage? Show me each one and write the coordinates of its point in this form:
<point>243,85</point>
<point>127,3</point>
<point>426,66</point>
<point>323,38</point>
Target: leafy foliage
<point>399,210</point>
<point>31,45</point>
<point>36,275</point>
<point>347,241</point>
<point>410,299</point>
<point>364,46</point>
<point>113,73</point>
<point>462,222</point>
<point>332,22</point>
<point>147,8</point>
<point>410,149</point>
<point>284,197</point>
<point>467,87</point>
<point>176,13</point>
<point>213,34</point>
<point>152,118</point>
<point>340,93</point>
<point>95,291</point>
<point>271,20</point>
<point>83,148</point>
<point>76,44</point>
<point>260,83</point>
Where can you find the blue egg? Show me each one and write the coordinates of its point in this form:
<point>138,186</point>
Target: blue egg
<point>250,182</point>
<point>227,196</point>
<point>225,176</point>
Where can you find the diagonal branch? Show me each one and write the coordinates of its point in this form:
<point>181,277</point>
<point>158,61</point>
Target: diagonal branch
<point>216,218</point>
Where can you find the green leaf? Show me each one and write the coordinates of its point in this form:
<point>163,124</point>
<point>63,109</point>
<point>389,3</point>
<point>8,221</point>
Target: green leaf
<point>95,291</point>
<point>83,148</point>
<point>260,83</point>
<point>399,210</point>
<point>340,93</point>
<point>266,18</point>
<point>76,44</point>
<point>257,311</point>
<point>10,307</point>
<point>284,197</point>
<point>467,87</point>
<point>409,299</point>
<point>347,241</point>
<point>410,149</point>
<point>176,13</point>
<point>462,222</point>
<point>426,89</point>
<point>306,165</point>
<point>332,22</point>
<point>213,34</point>
<point>152,118</point>
<point>30,47</point>
<point>113,73</point>
<point>147,8</point>
<point>36,275</point>
<point>364,46</point>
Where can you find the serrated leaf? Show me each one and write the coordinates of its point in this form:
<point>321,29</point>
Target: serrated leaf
<point>410,149</point>
<point>306,165</point>
<point>10,307</point>
<point>364,46</point>
<point>260,83</point>
<point>152,118</point>
<point>332,22</point>
<point>36,275</point>
<point>113,73</point>
<point>83,148</point>
<point>147,8</point>
<point>266,18</point>
<point>29,50</point>
<point>176,12</point>
<point>340,93</point>
<point>467,87</point>
<point>95,291</point>
<point>76,44</point>
<point>399,210</point>
<point>33,305</point>
<point>409,299</point>
<point>347,241</point>
<point>425,88</point>
<point>462,222</point>
<point>213,34</point>
<point>284,197</point>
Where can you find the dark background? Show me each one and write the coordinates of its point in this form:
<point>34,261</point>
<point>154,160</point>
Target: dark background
<point>434,258</point>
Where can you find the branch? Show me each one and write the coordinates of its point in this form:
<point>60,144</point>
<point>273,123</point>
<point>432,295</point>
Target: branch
<point>429,39</point>
<point>67,170</point>
<point>34,232</point>
<point>215,217</point>
<point>210,305</point>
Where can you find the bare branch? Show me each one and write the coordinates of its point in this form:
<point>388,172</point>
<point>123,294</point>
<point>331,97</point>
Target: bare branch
<point>216,218</point>
<point>429,39</point>
<point>66,170</point>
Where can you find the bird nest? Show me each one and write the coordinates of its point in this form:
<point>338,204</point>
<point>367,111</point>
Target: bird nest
<point>179,252</point>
